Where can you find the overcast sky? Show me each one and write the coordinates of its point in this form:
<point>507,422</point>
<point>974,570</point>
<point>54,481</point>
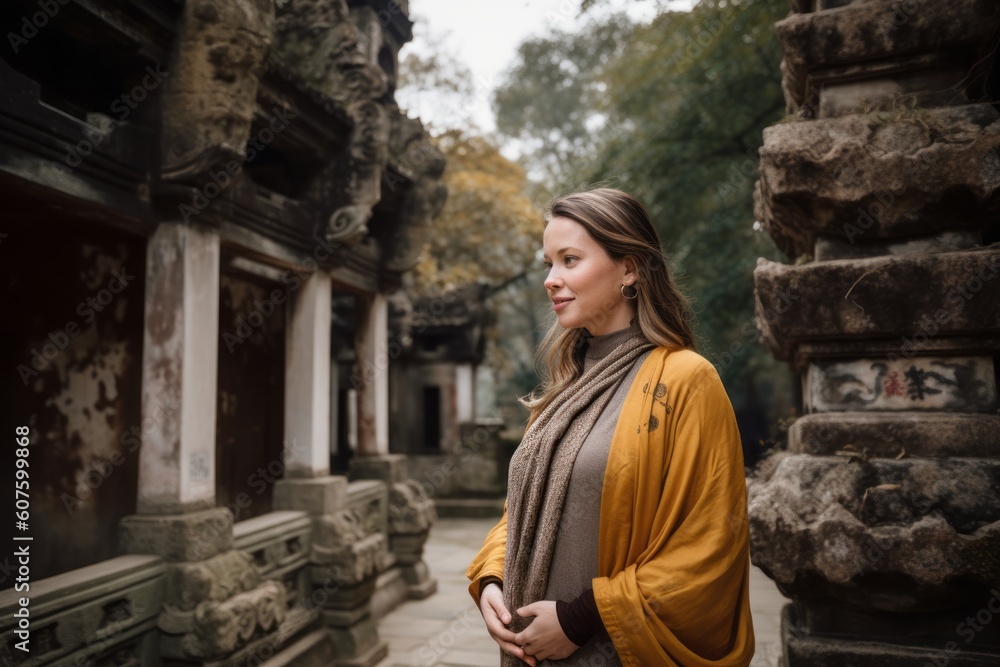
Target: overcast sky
<point>485,34</point>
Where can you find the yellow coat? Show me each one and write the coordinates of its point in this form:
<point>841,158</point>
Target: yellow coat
<point>674,555</point>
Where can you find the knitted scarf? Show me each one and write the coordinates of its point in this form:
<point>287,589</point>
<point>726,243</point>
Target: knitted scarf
<point>539,476</point>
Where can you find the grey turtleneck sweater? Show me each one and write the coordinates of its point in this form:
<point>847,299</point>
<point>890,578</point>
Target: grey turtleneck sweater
<point>574,560</point>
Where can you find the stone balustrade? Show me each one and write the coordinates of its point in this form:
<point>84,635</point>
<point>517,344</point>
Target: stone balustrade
<point>100,612</point>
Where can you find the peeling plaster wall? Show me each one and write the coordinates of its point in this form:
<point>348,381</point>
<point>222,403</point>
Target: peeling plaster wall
<point>72,357</point>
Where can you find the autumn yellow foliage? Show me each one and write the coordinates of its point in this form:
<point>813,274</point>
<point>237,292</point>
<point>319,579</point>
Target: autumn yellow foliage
<point>489,229</point>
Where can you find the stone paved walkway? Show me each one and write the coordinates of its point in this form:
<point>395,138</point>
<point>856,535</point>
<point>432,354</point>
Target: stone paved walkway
<point>446,630</point>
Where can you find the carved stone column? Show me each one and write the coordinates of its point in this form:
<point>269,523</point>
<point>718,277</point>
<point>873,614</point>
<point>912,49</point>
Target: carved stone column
<point>882,522</point>
<point>217,606</point>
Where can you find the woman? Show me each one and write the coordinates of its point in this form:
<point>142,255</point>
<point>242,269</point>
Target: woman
<point>624,538</point>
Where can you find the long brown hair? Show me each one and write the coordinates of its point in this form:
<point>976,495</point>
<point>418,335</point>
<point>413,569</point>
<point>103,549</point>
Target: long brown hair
<point>622,226</point>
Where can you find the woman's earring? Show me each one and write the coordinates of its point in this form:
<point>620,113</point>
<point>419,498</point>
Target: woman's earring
<point>632,292</point>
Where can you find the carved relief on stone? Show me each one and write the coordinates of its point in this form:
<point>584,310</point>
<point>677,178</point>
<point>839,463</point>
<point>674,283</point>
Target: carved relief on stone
<point>320,42</point>
<point>411,510</point>
<point>214,579</point>
<point>210,94</point>
<point>847,520</point>
<point>362,169</point>
<point>221,628</point>
<point>348,545</point>
<point>219,604</point>
<point>422,193</point>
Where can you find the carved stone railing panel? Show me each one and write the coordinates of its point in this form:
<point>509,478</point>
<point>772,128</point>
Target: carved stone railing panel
<point>278,542</point>
<point>90,614</point>
<point>217,606</point>
<point>411,514</point>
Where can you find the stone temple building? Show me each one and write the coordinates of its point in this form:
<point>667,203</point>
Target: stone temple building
<point>882,522</point>
<point>451,450</point>
<point>189,188</point>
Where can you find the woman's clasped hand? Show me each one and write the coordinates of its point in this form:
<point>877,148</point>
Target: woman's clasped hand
<point>542,640</point>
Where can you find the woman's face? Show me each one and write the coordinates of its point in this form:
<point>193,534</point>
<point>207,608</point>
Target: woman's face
<point>584,283</point>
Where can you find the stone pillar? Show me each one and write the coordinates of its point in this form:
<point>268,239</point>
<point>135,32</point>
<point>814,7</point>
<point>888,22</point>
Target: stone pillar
<point>179,349</point>
<point>308,485</point>
<point>371,377</point>
<point>882,522</point>
<point>411,512</point>
<point>176,490</point>
<point>465,393</point>
<point>307,380</point>
<point>348,545</point>
<point>177,517</point>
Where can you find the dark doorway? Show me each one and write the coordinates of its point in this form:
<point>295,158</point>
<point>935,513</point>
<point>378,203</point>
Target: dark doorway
<point>251,399</point>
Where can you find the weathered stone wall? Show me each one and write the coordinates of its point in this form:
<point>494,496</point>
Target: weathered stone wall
<point>882,521</point>
<point>71,354</point>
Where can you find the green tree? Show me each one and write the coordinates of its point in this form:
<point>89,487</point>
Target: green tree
<point>489,230</point>
<point>552,103</point>
<point>682,104</point>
